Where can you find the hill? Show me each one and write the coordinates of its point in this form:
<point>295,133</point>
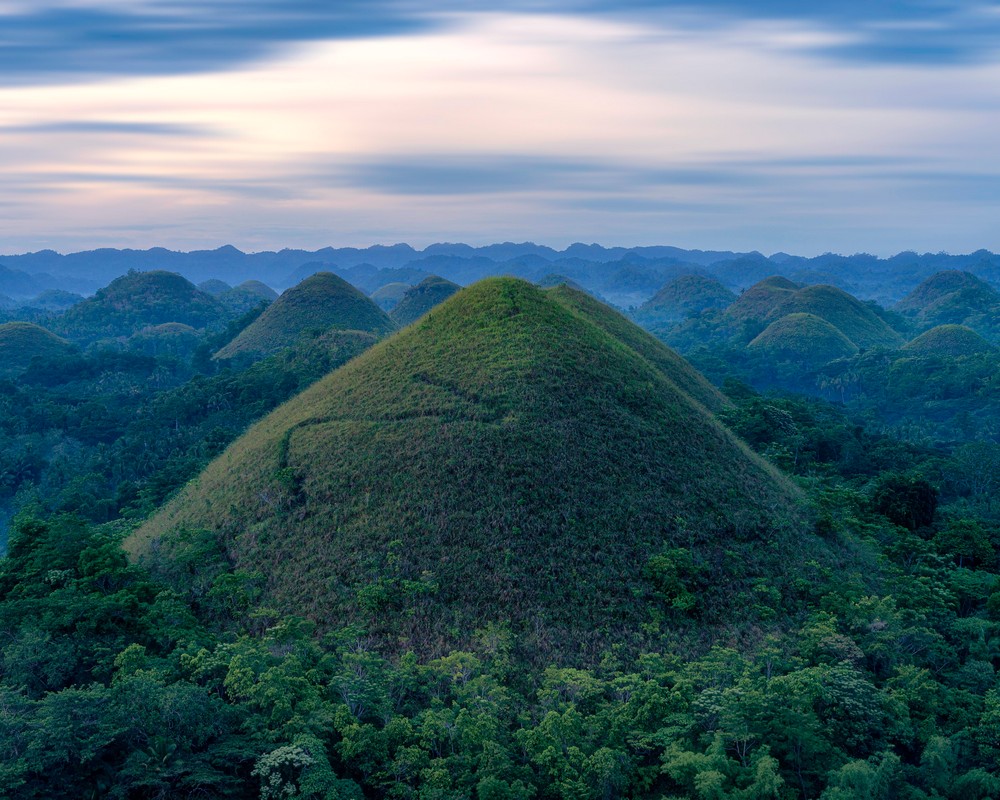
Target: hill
<point>948,340</point>
<point>20,342</point>
<point>761,299</point>
<point>388,296</point>
<point>249,294</point>
<point>954,297</point>
<point>420,299</point>
<point>138,300</point>
<point>214,287</point>
<point>803,338</point>
<point>774,298</point>
<point>321,302</point>
<point>169,339</point>
<point>53,300</point>
<point>687,296</point>
<point>503,459</point>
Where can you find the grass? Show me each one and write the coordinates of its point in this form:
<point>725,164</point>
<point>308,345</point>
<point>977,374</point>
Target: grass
<point>20,342</point>
<point>686,296</point>
<point>136,301</point>
<point>418,300</point>
<point>804,338</point>
<point>949,340</point>
<point>509,457</point>
<point>321,302</point>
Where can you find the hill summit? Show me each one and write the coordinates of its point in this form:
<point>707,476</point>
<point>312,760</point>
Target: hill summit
<point>20,342</point>
<point>418,300</point>
<point>321,302</point>
<point>138,300</point>
<point>507,458</point>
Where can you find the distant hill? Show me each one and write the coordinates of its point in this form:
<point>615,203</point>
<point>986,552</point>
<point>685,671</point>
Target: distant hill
<point>949,341</point>
<point>169,339</point>
<point>954,298</point>
<point>687,296</point>
<point>508,459</point>
<point>803,338</point>
<point>419,299</point>
<point>214,287</point>
<point>53,300</point>
<point>139,300</point>
<point>777,297</point>
<point>17,284</point>
<point>388,296</point>
<point>20,342</point>
<point>238,300</point>
<point>321,302</point>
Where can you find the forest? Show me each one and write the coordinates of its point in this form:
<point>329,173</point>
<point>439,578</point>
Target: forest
<point>503,542</point>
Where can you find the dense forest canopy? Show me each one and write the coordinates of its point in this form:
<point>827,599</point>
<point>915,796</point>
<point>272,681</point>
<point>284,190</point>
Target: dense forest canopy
<point>848,650</point>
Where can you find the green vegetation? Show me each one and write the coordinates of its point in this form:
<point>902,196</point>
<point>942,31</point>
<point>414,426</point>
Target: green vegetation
<point>320,303</point>
<point>524,459</point>
<point>644,607</point>
<point>136,301</point>
<point>949,340</point>
<point>418,300</point>
<point>805,339</point>
<point>685,296</point>
<point>388,296</point>
<point>954,297</point>
<point>246,296</point>
<point>22,342</point>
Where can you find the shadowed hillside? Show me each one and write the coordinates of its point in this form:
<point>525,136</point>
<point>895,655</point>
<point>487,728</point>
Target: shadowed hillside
<point>508,457</point>
<point>20,342</point>
<point>418,300</point>
<point>137,300</point>
<point>321,302</point>
<point>948,340</point>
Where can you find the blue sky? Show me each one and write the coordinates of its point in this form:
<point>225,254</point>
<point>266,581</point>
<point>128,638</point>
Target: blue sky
<point>841,126</point>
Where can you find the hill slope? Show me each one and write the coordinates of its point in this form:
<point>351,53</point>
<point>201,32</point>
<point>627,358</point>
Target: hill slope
<point>322,301</point>
<point>954,298</point>
<point>948,340</point>
<point>685,296</point>
<point>804,338</point>
<point>249,294</point>
<point>136,301</point>
<point>505,458</point>
<point>22,341</point>
<point>418,300</point>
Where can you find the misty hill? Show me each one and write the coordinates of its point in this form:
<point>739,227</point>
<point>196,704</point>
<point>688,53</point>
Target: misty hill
<point>954,298</point>
<point>321,302</point>
<point>214,287</point>
<point>53,300</point>
<point>803,338</point>
<point>138,300</point>
<point>419,299</point>
<point>777,297</point>
<point>505,459</point>
<point>388,296</point>
<point>20,342</point>
<point>949,341</point>
<point>238,300</point>
<point>686,296</point>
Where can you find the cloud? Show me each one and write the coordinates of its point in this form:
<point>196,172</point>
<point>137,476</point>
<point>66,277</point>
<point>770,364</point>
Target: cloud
<point>112,127</point>
<point>51,41</point>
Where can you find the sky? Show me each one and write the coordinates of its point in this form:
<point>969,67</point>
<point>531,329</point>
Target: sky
<point>772,126</point>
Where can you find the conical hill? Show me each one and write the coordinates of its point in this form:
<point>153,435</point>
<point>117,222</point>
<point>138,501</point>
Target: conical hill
<point>504,459</point>
<point>321,302</point>
<point>138,300</point>
<point>686,296</point>
<point>804,338</point>
<point>950,341</point>
<point>248,295</point>
<point>20,342</point>
<point>419,299</point>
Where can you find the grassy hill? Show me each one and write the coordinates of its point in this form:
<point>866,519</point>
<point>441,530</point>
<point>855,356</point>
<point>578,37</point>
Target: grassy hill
<point>686,296</point>
<point>948,340</point>
<point>774,298</point>
<point>321,302</point>
<point>214,287</point>
<point>136,301</point>
<point>761,299</point>
<point>249,294</point>
<point>22,341</point>
<point>803,338</point>
<point>954,298</point>
<point>388,296</point>
<point>506,458</point>
<point>418,300</point>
